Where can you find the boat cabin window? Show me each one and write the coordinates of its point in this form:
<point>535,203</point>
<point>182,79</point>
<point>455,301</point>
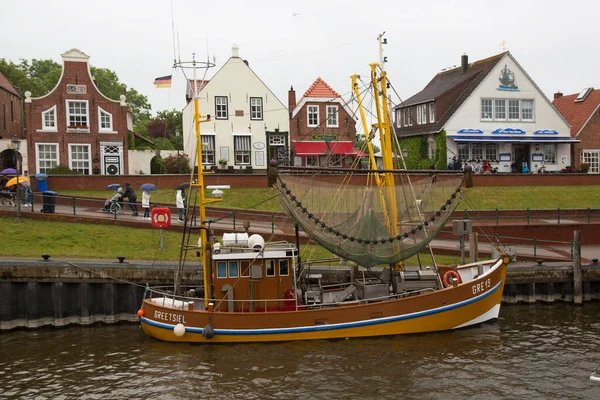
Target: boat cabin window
<point>270,266</point>
<point>245,268</point>
<point>221,269</point>
<point>234,270</point>
<point>284,267</point>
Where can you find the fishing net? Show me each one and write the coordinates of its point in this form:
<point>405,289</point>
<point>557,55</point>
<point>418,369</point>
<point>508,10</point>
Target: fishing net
<point>353,216</point>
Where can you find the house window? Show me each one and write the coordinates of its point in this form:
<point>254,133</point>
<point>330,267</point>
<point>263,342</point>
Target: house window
<point>12,116</point>
<point>500,109</point>
<point>256,108</point>
<point>241,148</point>
<point>527,110</point>
<point>513,110</point>
<point>405,113</point>
<point>208,149</point>
<point>77,113</point>
<point>105,121</point>
<point>476,151</point>
<point>591,158</point>
<point>49,119</point>
<point>486,109</point>
<point>332,117</point>
<point>284,267</point>
<point>47,156</point>
<point>431,112</point>
<point>313,116</point>
<point>221,107</point>
<point>491,151</point>
<point>550,153</point>
<point>463,151</point>
<point>270,266</point>
<point>398,118</point>
<point>221,269</point>
<point>424,114</point>
<point>234,270</point>
<point>312,161</point>
<point>79,158</point>
<point>410,120</point>
<point>418,115</point>
<point>431,147</point>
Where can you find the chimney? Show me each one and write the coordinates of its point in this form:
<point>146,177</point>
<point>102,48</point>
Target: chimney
<point>464,62</point>
<point>235,51</point>
<point>557,95</point>
<point>291,99</point>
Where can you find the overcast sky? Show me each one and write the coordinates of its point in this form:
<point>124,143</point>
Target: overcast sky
<point>293,43</point>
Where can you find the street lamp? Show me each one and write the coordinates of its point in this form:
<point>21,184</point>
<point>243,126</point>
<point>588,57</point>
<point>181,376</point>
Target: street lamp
<point>15,143</point>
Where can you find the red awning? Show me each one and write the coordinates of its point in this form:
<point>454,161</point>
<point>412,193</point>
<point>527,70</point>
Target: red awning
<point>310,148</point>
<point>345,148</point>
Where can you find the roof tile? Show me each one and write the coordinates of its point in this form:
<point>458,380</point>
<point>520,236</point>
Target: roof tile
<point>321,89</point>
<point>577,113</point>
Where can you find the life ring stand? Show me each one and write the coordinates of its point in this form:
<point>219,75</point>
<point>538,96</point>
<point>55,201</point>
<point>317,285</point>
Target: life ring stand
<point>455,278</point>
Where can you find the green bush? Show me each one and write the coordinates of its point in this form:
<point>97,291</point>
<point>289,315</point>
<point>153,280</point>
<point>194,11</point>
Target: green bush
<point>62,170</point>
<point>157,165</point>
<point>178,164</point>
<point>585,167</point>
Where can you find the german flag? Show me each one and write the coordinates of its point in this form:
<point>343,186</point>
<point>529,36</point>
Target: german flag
<point>163,82</point>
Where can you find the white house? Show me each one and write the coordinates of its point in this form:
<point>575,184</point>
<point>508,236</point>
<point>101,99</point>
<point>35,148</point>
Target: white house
<point>248,124</point>
<point>490,110</point>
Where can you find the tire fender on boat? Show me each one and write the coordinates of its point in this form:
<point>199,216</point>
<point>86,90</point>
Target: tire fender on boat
<point>450,277</point>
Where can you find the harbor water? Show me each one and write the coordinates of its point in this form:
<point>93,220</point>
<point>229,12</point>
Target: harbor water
<point>532,351</point>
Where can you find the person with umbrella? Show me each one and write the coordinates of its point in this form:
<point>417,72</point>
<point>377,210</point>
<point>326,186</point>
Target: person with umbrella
<point>130,194</point>
<point>146,189</point>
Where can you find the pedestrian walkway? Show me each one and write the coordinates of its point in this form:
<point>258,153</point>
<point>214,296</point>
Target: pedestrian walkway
<point>285,231</point>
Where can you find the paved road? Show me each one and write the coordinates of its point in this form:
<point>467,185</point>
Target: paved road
<point>267,229</point>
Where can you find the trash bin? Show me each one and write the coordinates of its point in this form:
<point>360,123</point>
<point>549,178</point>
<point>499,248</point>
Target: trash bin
<point>48,201</point>
<point>42,183</point>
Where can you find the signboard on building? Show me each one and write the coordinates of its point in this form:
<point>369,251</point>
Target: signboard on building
<point>327,138</point>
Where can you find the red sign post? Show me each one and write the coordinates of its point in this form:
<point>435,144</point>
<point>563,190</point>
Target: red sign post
<point>161,218</point>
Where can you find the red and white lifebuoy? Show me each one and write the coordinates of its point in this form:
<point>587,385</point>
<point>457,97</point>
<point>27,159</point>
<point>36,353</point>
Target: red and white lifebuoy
<point>450,277</point>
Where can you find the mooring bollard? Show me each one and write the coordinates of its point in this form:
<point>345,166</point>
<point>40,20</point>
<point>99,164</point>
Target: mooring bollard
<point>577,284</point>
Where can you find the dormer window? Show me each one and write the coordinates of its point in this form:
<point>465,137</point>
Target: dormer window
<point>77,114</point>
<point>431,113</point>
<point>49,120</point>
<point>105,121</point>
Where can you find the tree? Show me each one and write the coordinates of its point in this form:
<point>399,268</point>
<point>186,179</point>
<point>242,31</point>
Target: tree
<point>138,104</point>
<point>158,128</point>
<point>361,143</point>
<point>108,82</point>
<point>174,119</point>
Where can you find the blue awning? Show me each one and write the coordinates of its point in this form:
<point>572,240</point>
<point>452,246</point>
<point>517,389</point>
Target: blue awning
<point>515,139</point>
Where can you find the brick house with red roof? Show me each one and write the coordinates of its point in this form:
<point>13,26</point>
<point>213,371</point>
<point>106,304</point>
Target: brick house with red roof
<point>582,111</point>
<point>322,127</point>
<point>76,125</point>
<point>11,124</point>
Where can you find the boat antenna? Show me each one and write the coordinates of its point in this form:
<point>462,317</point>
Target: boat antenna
<point>173,34</point>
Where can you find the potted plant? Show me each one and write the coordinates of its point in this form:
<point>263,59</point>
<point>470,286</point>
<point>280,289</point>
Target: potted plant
<point>223,163</point>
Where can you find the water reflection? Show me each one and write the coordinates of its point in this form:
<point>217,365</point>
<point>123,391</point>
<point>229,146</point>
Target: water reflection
<point>532,351</point>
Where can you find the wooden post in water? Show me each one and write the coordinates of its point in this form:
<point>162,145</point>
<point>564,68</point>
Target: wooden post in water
<point>577,297</point>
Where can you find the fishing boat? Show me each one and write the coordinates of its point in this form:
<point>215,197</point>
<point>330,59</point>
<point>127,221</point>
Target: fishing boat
<point>373,219</point>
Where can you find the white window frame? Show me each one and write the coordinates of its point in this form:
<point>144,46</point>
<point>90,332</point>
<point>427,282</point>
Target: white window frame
<point>242,155</point>
<point>431,112</point>
<point>54,121</point>
<point>87,112</point>
<point>284,261</point>
<point>485,114</point>
<point>256,108</point>
<point>424,113</point>
<point>220,265</point>
<point>409,110</point>
<point>431,147</point>
<point>398,118</point>
<point>208,153</point>
<point>312,113</point>
<point>277,140</point>
<point>37,156</point>
<point>488,148</point>
<point>518,109</point>
<point>418,115</point>
<point>221,110</point>
<point>554,149</point>
<point>110,121</point>
<point>89,160</point>
<point>592,158</point>
<point>405,116</point>
<point>523,101</point>
<point>270,263</point>
<point>496,107</point>
<point>332,117</point>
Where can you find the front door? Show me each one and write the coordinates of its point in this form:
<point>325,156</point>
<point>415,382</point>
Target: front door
<point>521,155</point>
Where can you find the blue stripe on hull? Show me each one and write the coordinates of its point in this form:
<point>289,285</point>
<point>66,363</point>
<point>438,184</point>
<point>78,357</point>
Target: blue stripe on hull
<point>317,328</point>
